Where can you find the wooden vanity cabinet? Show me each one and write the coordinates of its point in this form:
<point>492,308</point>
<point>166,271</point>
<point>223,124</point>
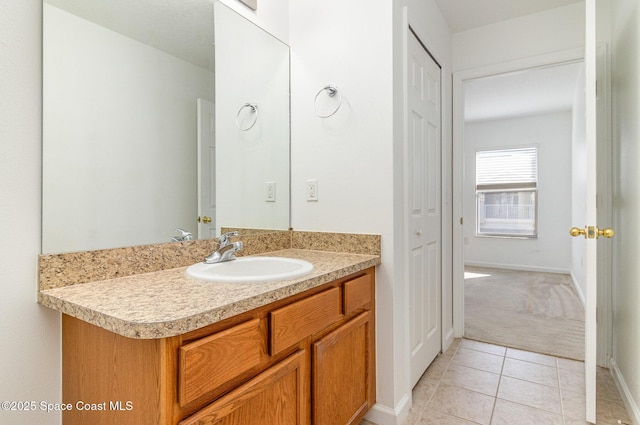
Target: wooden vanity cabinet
<point>307,359</point>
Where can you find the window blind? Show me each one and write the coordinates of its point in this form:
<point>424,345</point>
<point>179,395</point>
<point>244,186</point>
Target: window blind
<point>503,168</point>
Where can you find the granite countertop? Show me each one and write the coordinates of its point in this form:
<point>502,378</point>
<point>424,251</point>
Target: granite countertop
<point>168,303</point>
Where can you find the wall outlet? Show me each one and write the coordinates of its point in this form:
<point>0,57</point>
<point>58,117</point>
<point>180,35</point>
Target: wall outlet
<point>270,191</point>
<point>312,190</point>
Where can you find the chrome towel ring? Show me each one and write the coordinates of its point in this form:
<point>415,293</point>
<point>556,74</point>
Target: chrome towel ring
<point>253,110</point>
<point>332,92</point>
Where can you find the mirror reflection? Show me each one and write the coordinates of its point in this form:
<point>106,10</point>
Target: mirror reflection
<point>137,122</point>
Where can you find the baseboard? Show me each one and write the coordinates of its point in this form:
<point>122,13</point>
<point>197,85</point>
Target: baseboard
<point>576,286</point>
<point>632,406</point>
<point>383,415</point>
<point>524,268</point>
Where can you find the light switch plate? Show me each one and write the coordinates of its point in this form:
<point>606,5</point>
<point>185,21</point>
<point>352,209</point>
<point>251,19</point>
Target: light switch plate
<point>270,191</point>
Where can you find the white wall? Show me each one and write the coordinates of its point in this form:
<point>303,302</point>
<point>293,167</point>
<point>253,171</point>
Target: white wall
<point>541,33</point>
<point>350,154</point>
<point>356,156</point>
<point>117,162</point>
<point>30,362</point>
<point>551,250</point>
<point>626,139</point>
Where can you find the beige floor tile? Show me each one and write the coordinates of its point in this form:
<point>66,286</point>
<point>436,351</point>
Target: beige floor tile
<point>462,403</point>
<point>528,356</point>
<point>459,386</point>
<point>437,368</point>
<point>472,379</point>
<point>478,360</point>
<point>432,417</point>
<point>455,344</point>
<point>421,395</point>
<point>424,389</point>
<point>610,412</point>
<point>573,405</point>
<point>571,380</point>
<point>483,346</point>
<point>568,364</point>
<point>530,394</point>
<point>532,372</point>
<point>606,386</point>
<point>415,413</point>
<point>571,421</point>
<point>607,411</point>
<point>508,413</point>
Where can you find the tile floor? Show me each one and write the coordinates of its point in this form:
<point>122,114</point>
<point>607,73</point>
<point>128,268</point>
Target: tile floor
<point>478,383</point>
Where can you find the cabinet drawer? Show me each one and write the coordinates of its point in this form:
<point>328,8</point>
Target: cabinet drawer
<point>209,362</point>
<point>357,294</point>
<point>277,396</point>
<point>296,321</point>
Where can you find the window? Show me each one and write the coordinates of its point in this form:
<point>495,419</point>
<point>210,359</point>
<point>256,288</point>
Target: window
<point>506,192</point>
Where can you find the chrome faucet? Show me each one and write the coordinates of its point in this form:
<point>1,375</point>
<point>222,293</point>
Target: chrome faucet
<point>183,235</point>
<point>226,249</point>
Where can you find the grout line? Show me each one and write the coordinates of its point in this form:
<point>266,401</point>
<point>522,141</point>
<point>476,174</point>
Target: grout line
<point>495,399</point>
<point>440,382</point>
<point>562,412</point>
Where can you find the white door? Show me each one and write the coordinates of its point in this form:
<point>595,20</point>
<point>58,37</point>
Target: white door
<point>424,206</point>
<point>590,231</point>
<point>206,170</point>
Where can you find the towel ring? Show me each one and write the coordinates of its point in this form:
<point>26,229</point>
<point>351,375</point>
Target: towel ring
<point>254,110</point>
<point>331,91</point>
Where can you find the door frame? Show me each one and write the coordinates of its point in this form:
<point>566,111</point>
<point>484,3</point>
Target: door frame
<point>459,78</point>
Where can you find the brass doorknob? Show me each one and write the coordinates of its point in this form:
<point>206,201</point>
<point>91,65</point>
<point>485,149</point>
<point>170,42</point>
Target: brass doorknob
<point>576,231</point>
<point>592,232</point>
<point>205,219</point>
<point>607,232</point>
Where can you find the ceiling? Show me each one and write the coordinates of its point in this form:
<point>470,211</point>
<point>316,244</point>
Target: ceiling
<point>528,92</point>
<point>466,14</point>
<point>181,28</point>
<point>521,93</point>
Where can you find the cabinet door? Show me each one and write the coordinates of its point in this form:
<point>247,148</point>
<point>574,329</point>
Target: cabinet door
<point>278,396</point>
<point>342,373</point>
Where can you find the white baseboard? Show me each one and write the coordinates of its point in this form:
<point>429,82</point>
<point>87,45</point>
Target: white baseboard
<point>383,415</point>
<point>525,268</point>
<point>576,286</point>
<point>632,406</point>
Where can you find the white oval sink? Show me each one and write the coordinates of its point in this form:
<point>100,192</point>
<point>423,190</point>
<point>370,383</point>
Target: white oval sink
<point>251,269</point>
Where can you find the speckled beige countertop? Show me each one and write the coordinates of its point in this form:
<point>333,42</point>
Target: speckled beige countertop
<point>168,303</point>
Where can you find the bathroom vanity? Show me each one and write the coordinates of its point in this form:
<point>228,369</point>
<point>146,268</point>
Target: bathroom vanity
<point>293,352</point>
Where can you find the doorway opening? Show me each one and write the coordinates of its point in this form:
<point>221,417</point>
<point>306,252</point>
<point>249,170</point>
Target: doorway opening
<point>523,285</point>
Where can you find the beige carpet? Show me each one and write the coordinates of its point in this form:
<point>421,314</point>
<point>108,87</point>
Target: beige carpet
<point>538,312</point>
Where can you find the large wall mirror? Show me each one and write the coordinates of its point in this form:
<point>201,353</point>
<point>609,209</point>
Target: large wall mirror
<point>146,123</point>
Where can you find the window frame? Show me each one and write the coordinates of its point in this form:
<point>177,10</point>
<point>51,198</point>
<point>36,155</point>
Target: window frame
<point>506,188</point>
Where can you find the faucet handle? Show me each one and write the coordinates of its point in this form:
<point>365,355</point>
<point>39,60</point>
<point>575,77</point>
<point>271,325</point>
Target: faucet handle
<point>224,238</point>
<point>183,235</point>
